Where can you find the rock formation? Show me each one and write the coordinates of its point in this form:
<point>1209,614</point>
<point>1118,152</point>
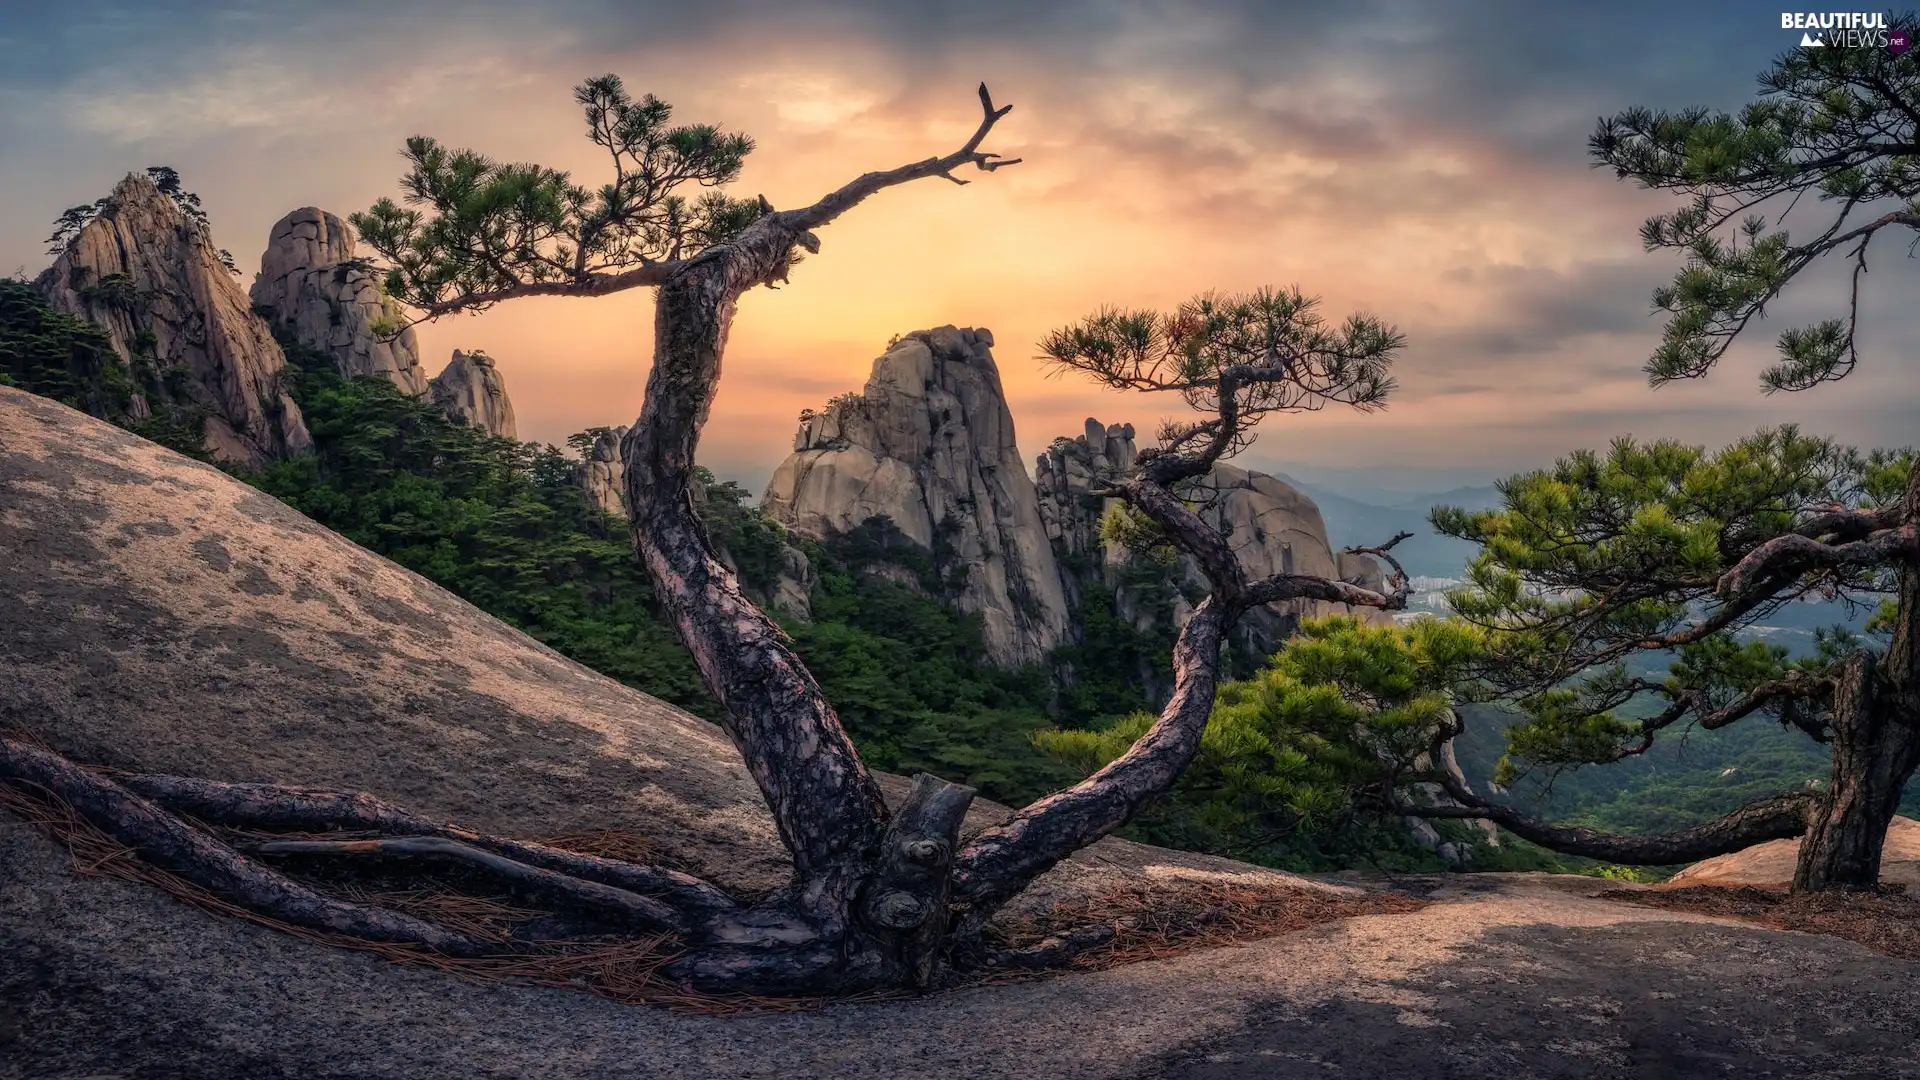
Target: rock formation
<point>930,445</point>
<point>1272,526</point>
<point>1066,475</point>
<point>471,391</point>
<point>602,473</point>
<point>151,277</point>
<point>311,284</point>
<point>793,593</point>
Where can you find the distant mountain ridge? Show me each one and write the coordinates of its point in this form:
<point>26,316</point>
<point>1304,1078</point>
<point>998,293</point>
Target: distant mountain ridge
<point>1351,521</point>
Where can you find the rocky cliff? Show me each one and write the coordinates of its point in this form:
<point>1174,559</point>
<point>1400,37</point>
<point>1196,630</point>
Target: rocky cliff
<point>470,390</point>
<point>151,277</point>
<point>602,474</point>
<point>929,444</point>
<point>312,285</point>
<point>1272,526</point>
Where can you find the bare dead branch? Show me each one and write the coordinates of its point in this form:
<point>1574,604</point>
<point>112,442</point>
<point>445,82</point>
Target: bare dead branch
<point>1398,580</point>
<point>1309,587</point>
<point>858,190</point>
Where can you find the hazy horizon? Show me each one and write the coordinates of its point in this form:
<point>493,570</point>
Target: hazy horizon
<point>1424,163</point>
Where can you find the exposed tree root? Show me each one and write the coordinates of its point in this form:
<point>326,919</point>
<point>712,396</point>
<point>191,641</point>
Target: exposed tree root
<point>201,860</point>
<point>650,949</point>
<point>268,806</point>
<point>1154,920</point>
<point>590,895</point>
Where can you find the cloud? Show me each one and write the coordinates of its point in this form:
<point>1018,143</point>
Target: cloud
<point>1424,162</point>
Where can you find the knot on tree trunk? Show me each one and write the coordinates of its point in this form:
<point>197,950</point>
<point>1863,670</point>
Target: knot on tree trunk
<point>905,901</point>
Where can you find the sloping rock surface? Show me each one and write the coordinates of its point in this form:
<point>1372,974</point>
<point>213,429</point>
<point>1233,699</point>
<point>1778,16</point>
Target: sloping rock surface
<point>153,280</point>
<point>158,615</point>
<point>470,389</point>
<point>930,444</point>
<point>1772,863</point>
<point>312,283</point>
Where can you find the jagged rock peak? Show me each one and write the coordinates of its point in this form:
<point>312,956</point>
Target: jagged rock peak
<point>603,473</point>
<point>1067,474</point>
<point>151,277</point>
<point>929,443</point>
<point>312,283</point>
<point>1272,527</point>
<point>471,390</point>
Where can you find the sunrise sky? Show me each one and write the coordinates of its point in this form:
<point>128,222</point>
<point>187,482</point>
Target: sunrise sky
<point>1422,161</point>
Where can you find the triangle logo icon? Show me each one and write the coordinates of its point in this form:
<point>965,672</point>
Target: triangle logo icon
<point>1808,41</point>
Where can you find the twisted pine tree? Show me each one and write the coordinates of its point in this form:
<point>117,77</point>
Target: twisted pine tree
<point>1661,546</point>
<point>879,897</point>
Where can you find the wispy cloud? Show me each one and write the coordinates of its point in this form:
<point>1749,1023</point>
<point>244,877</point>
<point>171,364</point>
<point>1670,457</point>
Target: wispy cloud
<point>1424,162</point>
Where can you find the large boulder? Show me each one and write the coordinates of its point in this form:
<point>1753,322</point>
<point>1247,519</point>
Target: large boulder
<point>312,283</point>
<point>470,389</point>
<point>151,277</point>
<point>929,444</point>
<point>1771,865</point>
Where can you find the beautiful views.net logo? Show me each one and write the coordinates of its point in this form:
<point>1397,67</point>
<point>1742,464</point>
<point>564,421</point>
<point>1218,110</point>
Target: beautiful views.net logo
<point>1845,30</point>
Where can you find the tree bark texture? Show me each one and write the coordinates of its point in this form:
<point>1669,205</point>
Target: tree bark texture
<point>1876,743</point>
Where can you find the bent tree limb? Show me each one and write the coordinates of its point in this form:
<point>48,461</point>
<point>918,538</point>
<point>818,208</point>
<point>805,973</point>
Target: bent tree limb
<point>1000,861</point>
<point>1778,818</point>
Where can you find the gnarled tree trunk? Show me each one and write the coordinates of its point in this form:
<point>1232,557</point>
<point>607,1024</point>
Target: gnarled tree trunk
<point>1876,745</point>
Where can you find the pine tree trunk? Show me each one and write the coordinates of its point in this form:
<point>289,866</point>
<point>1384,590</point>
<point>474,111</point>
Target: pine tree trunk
<point>1876,745</point>
<point>867,906</point>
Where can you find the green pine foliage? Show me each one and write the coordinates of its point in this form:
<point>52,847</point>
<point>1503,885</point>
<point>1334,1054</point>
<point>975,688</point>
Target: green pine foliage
<point>1837,124</point>
<point>1589,567</point>
<point>473,226</point>
<point>60,357</point>
<point>1295,760</point>
<point>74,362</point>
